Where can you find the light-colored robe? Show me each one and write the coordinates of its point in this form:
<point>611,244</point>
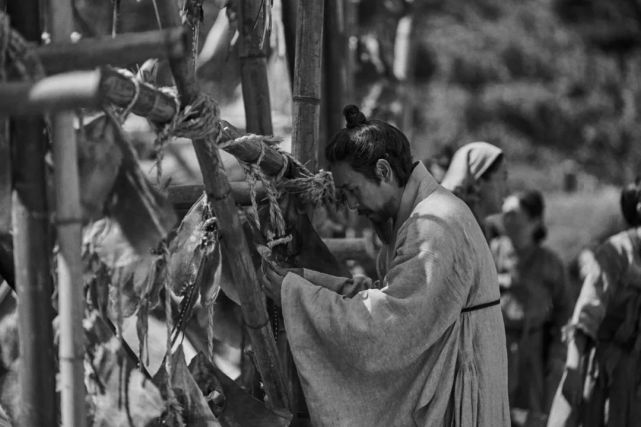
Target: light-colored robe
<point>405,354</point>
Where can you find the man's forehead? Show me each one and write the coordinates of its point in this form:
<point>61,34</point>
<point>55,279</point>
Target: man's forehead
<point>343,174</point>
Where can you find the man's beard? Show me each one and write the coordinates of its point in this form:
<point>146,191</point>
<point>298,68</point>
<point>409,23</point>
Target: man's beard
<point>380,216</point>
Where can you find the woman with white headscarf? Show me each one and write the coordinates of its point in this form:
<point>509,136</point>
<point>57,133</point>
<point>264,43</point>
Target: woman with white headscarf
<point>478,175</point>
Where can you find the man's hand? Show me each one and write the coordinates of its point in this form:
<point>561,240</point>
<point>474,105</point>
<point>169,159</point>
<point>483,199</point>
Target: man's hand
<point>272,279</point>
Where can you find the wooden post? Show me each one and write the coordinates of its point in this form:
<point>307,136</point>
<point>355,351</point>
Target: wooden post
<point>32,250</point>
<point>233,241</point>
<point>71,302</point>
<point>254,40</point>
<point>335,88</point>
<point>307,82</point>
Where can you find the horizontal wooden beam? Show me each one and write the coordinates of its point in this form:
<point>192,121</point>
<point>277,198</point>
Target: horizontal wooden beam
<point>56,93</point>
<point>120,90</point>
<point>82,89</point>
<point>122,50</point>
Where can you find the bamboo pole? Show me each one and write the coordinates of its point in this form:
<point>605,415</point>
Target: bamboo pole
<point>5,149</point>
<point>32,251</point>
<point>351,34</point>
<point>403,67</point>
<point>60,92</point>
<point>122,50</point>
<point>307,82</point>
<point>335,88</point>
<point>71,349</point>
<point>78,89</point>
<point>232,238</point>
<point>252,16</point>
<point>289,10</point>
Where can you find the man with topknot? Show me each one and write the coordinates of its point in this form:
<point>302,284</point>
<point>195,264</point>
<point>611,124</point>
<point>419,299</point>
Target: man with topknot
<point>425,344</point>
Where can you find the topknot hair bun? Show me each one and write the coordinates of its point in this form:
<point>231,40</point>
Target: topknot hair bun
<point>353,116</point>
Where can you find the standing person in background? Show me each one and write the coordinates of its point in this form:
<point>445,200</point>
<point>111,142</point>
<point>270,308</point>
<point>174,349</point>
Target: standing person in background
<point>425,346</point>
<point>602,380</point>
<point>536,304</point>
<point>478,175</point>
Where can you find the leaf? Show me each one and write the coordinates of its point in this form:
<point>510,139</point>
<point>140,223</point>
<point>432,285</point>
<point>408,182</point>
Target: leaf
<point>121,393</point>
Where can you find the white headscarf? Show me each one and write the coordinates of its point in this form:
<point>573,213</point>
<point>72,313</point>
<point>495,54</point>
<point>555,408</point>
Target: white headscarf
<point>468,165</point>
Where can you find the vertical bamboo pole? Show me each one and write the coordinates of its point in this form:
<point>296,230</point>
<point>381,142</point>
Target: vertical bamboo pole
<point>253,66</point>
<point>289,11</point>
<point>32,250</point>
<point>307,81</point>
<point>233,241</point>
<point>351,34</point>
<point>69,225</point>
<point>336,52</point>
<point>404,53</point>
<point>5,150</point>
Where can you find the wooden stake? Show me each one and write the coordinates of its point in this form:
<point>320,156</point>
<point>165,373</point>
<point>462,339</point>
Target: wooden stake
<point>32,251</point>
<point>254,40</point>
<point>307,82</point>
<point>122,50</point>
<point>233,241</point>
<point>71,302</point>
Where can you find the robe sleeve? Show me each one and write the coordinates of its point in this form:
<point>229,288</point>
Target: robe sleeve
<point>422,296</point>
<point>602,269</point>
<point>341,285</point>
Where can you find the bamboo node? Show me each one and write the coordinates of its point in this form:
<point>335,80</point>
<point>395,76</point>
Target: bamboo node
<point>307,99</point>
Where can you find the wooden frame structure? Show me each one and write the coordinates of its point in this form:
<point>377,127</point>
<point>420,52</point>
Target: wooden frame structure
<point>66,88</point>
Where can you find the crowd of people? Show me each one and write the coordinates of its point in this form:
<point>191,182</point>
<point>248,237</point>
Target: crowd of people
<point>470,321</point>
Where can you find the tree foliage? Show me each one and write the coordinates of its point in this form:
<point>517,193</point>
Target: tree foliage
<point>534,76</point>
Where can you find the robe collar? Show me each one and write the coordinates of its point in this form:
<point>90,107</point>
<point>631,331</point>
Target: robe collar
<point>420,185</point>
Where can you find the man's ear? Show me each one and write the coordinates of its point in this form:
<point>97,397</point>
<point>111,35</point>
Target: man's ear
<point>384,170</point>
<point>639,209</point>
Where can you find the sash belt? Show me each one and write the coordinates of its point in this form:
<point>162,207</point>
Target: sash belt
<point>481,306</point>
